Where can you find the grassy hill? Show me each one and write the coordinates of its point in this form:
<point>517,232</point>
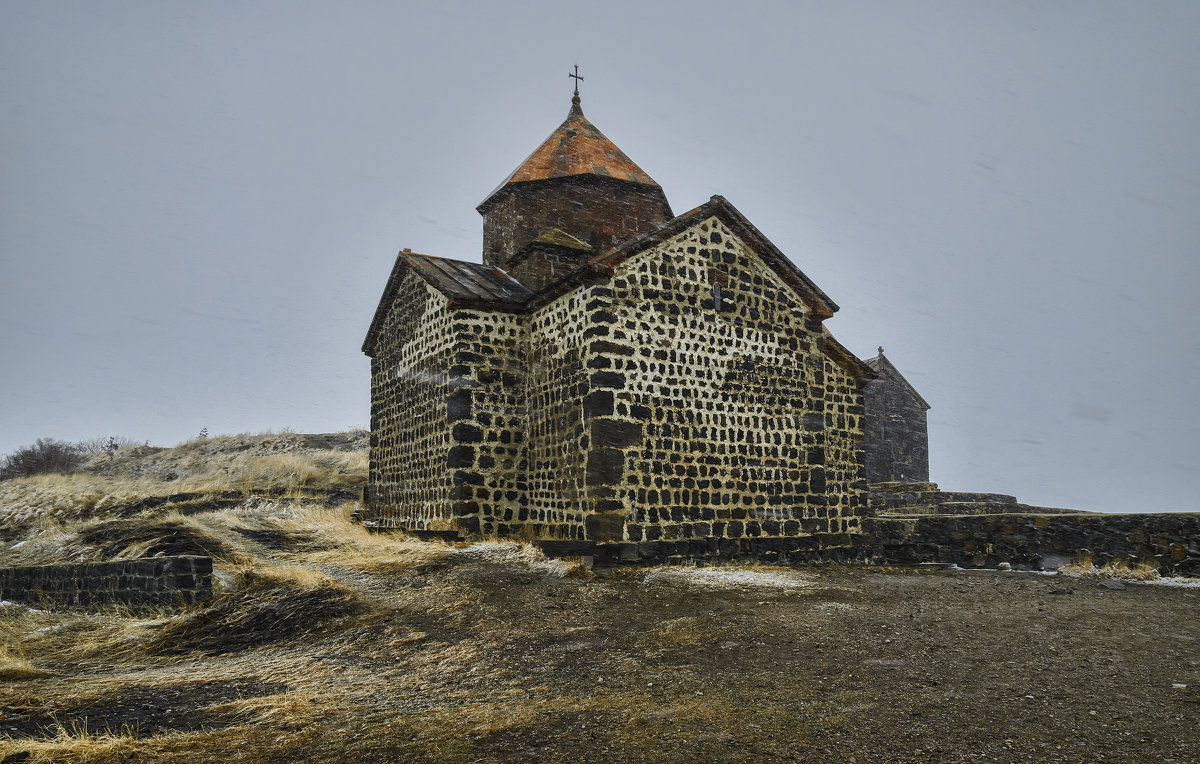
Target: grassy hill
<point>325,643</point>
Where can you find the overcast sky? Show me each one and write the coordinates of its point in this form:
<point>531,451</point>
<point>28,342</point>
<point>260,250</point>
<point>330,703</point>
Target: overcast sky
<point>200,202</point>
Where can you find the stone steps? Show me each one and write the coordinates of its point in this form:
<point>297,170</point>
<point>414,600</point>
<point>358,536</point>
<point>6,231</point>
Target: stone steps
<point>923,499</point>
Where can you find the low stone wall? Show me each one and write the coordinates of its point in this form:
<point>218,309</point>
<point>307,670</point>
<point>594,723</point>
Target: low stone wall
<point>1170,542</point>
<point>150,581</point>
<point>775,550</point>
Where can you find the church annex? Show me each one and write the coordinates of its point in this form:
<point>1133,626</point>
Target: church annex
<point>616,374</point>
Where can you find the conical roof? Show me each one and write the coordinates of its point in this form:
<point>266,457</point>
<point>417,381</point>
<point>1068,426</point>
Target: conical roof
<point>577,147</point>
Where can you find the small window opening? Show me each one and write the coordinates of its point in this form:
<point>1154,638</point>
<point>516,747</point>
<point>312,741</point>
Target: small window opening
<point>717,296</point>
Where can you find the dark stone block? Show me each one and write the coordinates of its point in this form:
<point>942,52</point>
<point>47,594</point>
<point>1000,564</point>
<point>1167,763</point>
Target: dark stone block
<point>816,480</point>
<point>466,433</point>
<point>605,526</point>
<point>608,379</point>
<point>598,403</point>
<point>462,477</point>
<point>605,466</point>
<point>641,413</point>
<point>616,433</point>
<point>608,347</point>
<point>461,456</point>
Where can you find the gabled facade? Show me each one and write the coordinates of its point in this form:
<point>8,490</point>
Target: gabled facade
<point>896,446</point>
<point>615,375</point>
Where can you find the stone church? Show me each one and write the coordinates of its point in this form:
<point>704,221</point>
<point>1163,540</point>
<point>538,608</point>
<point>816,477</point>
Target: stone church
<point>618,375</point>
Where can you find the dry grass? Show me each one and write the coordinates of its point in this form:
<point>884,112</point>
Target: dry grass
<point>75,744</point>
<point>269,604</point>
<point>259,729</point>
<point>14,665</point>
<point>688,631</point>
<point>277,464</point>
<point>1083,565</point>
<point>148,501</point>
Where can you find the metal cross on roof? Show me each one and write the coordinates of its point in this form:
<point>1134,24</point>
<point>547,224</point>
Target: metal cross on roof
<point>578,79</point>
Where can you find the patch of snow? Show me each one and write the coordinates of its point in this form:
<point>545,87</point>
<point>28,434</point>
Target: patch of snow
<point>729,578</point>
<point>1176,582</point>
<point>514,552</point>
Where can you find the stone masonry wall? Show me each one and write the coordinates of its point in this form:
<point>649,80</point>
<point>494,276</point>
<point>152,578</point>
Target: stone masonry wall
<point>488,421</point>
<point>1171,542</point>
<point>687,397</point>
<point>410,479</point>
<point>598,211</point>
<point>558,394</point>
<point>150,581</point>
<point>896,441</point>
<point>715,414</point>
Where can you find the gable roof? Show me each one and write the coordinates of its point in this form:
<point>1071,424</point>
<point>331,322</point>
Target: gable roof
<point>884,368</point>
<point>576,147</point>
<point>720,208</point>
<point>463,283</point>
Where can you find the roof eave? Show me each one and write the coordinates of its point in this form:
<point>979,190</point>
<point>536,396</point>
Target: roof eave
<point>842,356</point>
<point>399,271</point>
<point>498,194</point>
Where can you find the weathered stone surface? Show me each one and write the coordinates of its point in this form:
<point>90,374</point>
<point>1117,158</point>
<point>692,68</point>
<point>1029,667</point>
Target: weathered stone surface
<point>896,434</point>
<point>1035,541</point>
<point>151,581</point>
<point>616,433</point>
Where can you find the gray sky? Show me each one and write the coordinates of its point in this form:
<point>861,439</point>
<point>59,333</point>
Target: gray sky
<point>200,202</point>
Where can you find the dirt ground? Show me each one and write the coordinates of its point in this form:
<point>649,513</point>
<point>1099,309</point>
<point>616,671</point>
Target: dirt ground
<point>479,656</point>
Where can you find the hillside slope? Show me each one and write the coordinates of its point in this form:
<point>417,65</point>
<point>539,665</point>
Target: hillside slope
<point>325,643</point>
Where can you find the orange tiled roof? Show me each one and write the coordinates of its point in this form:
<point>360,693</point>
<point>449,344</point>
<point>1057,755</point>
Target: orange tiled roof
<point>578,148</point>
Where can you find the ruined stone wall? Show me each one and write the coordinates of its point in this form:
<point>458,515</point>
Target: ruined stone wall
<point>410,480</point>
<point>487,417</point>
<point>1170,542</point>
<point>150,581</point>
<point>897,434</point>
<point>714,415</point>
